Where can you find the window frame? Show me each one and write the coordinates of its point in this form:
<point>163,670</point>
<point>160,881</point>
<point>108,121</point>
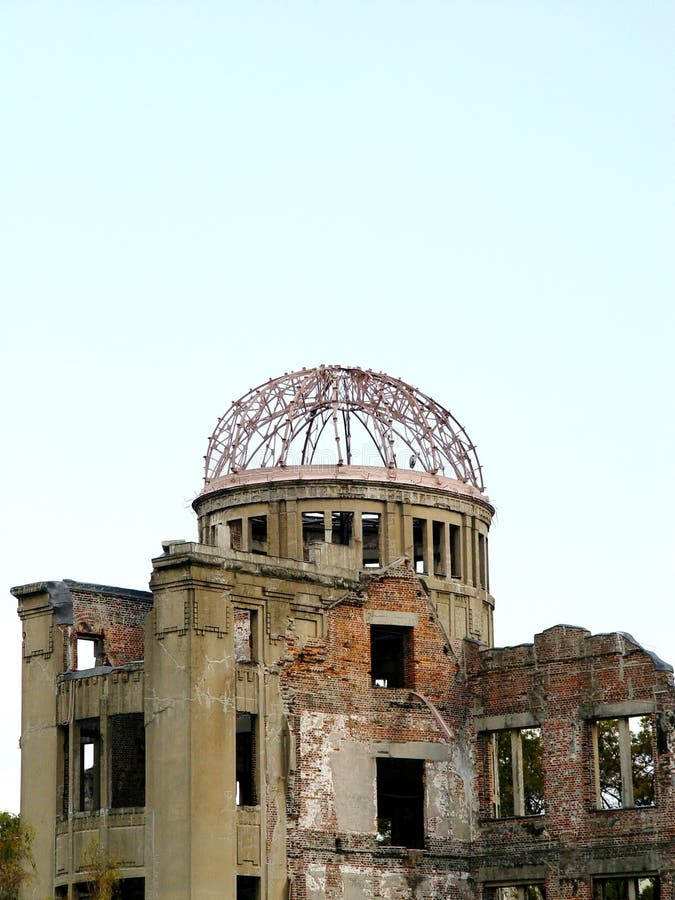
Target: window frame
<point>519,796</point>
<point>626,770</point>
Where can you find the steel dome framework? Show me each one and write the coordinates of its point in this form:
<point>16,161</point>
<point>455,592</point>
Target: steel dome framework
<point>296,411</point>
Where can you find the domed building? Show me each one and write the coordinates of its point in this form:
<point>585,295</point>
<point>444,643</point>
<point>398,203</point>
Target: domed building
<point>308,704</point>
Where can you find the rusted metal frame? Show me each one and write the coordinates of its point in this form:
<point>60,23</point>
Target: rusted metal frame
<point>411,417</point>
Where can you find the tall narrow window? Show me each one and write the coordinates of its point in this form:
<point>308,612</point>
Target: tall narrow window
<point>127,760</point>
<point>370,525</point>
<point>419,540</point>
<point>245,635</point>
<point>342,524</point>
<point>518,772</point>
<point>235,528</point>
<point>64,768</point>
<point>400,802</point>
<point>390,653</point>
<point>456,551</point>
<point>313,530</point>
<point>439,551</point>
<point>246,750</point>
<point>624,762</point>
<point>482,564</point>
<point>257,536</point>
<point>90,759</point>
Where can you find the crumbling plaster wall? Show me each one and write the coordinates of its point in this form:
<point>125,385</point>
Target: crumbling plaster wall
<point>343,724</point>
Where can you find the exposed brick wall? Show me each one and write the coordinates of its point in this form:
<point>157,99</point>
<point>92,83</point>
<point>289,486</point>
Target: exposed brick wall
<point>563,679</point>
<point>116,617</point>
<point>559,683</point>
<point>327,685</point>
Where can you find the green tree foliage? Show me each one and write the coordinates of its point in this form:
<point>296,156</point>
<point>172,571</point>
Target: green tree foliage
<point>609,758</point>
<point>505,773</point>
<point>532,802</point>
<point>642,756</point>
<point>612,789</point>
<point>533,771</point>
<point>16,856</point>
<point>102,870</point>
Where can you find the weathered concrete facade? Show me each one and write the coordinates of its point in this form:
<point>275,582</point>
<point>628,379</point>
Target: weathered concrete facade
<point>308,705</point>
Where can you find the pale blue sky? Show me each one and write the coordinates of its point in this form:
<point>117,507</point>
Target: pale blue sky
<point>476,197</point>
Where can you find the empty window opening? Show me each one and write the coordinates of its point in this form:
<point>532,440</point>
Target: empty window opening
<point>400,802</point>
<point>248,887</point>
<point>624,756</point>
<point>518,773</point>
<point>438,538</point>
<point>235,528</point>
<point>210,535</point>
<point>342,524</point>
<point>419,539</point>
<point>482,562</point>
<point>88,651</point>
<point>245,643</point>
<point>313,530</point>
<point>390,656</point>
<point>90,777</point>
<point>127,760</point>
<point>637,888</point>
<point>131,889</point>
<point>257,534</point>
<point>64,768</point>
<point>370,535</point>
<point>246,759</point>
<point>519,892</point>
<point>455,551</point>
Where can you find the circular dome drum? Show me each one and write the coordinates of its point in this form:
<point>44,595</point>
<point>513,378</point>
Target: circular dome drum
<point>333,414</point>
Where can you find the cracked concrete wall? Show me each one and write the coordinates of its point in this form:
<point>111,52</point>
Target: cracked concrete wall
<point>189,713</point>
<point>43,651</point>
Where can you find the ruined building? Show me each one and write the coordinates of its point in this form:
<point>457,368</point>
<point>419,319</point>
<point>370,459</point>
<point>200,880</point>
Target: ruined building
<point>308,703</point>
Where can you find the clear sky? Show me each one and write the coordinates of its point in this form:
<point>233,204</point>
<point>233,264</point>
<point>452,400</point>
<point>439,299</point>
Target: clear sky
<point>474,196</point>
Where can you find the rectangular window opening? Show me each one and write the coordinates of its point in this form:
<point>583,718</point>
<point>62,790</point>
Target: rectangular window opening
<point>257,535</point>
<point>313,531</point>
<point>482,567</point>
<point>519,892</point>
<point>455,551</point>
<point>390,656</point>
<point>236,531</point>
<point>90,777</point>
<point>248,887</point>
<point>342,525</point>
<point>644,887</point>
<point>127,760</point>
<point>370,527</point>
<point>624,762</point>
<point>400,802</point>
<point>245,635</point>
<point>88,651</point>
<point>438,536</point>
<point>246,750</point>
<point>517,773</point>
<point>131,889</point>
<point>64,769</point>
<point>419,539</point>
